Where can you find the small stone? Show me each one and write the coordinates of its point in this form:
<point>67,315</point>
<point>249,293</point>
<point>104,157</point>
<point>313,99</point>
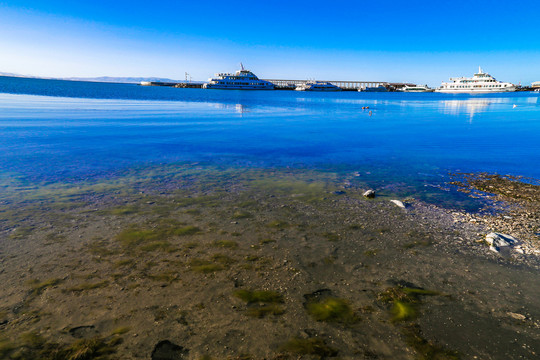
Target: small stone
<point>516,316</point>
<point>370,194</point>
<point>398,203</point>
<point>500,240</point>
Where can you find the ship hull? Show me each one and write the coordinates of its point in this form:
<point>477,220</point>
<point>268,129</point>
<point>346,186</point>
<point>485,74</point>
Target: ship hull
<point>472,91</point>
<point>237,87</point>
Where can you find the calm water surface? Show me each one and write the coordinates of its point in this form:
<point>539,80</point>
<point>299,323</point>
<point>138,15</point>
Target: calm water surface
<point>60,129</point>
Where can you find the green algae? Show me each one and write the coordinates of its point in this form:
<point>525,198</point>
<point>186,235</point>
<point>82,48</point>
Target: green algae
<point>332,309</point>
<point>404,301</point>
<point>278,224</point>
<point>38,286</point>
<point>371,252</point>
<point>124,262</point>
<point>241,215</point>
<point>121,330</point>
<point>34,346</point>
<point>403,311</point>
<point>261,303</point>
<point>331,236</point>
<point>229,244</point>
<point>265,310</point>
<point>223,259</point>
<point>162,245</point>
<point>87,286</point>
<point>300,190</point>
<point>124,210</point>
<point>204,266</point>
<point>137,235</point>
<point>22,232</point>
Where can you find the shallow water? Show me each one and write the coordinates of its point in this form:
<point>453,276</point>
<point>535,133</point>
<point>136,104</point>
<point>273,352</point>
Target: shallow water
<point>137,213</point>
<point>58,130</point>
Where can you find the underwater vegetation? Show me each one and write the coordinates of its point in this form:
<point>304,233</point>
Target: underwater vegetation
<point>39,286</point>
<point>154,236</point>
<point>404,301</point>
<point>34,346</point>
<point>261,302</point>
<point>332,309</point>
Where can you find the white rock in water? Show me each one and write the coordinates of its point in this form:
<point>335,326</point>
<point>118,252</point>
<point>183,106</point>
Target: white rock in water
<point>498,240</point>
<point>398,203</point>
<point>369,194</point>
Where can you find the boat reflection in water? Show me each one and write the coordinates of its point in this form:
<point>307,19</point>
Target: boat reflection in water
<point>469,107</point>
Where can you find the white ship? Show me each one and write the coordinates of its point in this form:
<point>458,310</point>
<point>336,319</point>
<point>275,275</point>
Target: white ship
<point>416,88</point>
<point>479,83</point>
<point>241,80</point>
<point>317,86</point>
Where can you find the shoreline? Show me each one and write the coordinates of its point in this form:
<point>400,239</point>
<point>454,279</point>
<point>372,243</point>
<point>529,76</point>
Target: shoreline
<point>152,263</point>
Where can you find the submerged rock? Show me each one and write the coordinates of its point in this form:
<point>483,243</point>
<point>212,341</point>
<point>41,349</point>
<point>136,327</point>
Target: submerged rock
<point>85,331</point>
<point>398,203</point>
<point>166,350</point>
<point>497,240</point>
<point>370,194</point>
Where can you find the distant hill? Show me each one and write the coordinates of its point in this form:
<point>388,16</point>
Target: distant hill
<point>108,79</point>
<point>129,80</point>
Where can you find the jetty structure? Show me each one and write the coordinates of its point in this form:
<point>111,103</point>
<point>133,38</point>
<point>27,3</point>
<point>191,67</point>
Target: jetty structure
<point>245,80</point>
<point>291,84</point>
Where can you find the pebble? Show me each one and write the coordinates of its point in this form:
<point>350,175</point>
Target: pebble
<point>370,194</point>
<point>516,316</point>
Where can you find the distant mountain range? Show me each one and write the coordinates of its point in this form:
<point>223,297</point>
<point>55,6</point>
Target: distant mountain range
<point>108,79</point>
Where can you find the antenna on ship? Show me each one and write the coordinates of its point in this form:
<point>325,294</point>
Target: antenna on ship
<point>480,70</point>
<point>242,66</point>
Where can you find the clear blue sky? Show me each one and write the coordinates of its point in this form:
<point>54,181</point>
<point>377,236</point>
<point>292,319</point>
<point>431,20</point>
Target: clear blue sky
<point>415,40</point>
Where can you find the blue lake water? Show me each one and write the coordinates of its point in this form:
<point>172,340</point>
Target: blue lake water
<point>54,129</point>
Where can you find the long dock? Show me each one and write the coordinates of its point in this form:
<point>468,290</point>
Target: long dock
<point>343,84</point>
<point>284,84</point>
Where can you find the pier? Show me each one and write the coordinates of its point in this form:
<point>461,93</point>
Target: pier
<point>343,84</point>
<point>284,84</point>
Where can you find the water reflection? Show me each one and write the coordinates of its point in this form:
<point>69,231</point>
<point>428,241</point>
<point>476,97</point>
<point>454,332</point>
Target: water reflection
<point>238,108</point>
<point>469,107</point>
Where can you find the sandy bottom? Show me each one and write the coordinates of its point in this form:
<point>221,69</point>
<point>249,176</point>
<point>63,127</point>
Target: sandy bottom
<point>191,262</point>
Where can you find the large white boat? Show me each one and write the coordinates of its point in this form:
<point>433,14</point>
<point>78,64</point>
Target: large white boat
<point>241,80</point>
<point>416,88</point>
<point>317,86</point>
<point>479,83</point>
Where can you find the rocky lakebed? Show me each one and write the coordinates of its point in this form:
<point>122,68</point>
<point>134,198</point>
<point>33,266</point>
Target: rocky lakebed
<point>205,263</point>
